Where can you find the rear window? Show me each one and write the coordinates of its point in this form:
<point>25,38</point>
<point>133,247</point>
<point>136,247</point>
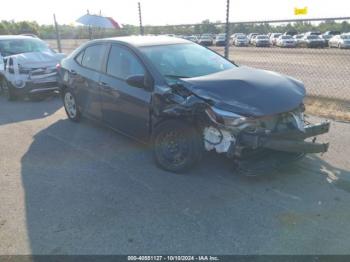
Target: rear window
<point>93,57</point>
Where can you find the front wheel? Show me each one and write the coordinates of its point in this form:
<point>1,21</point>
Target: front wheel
<point>70,105</point>
<point>177,146</point>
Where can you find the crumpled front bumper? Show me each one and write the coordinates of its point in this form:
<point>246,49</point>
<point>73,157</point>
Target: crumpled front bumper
<point>289,141</point>
<point>40,85</point>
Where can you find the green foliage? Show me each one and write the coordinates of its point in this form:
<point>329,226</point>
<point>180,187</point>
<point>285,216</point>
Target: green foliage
<point>81,32</point>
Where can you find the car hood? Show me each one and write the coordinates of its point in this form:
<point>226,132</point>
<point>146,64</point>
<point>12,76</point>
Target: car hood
<point>38,59</point>
<point>248,91</point>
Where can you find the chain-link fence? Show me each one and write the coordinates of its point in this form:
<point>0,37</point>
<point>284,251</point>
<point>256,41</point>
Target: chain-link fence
<point>325,71</point>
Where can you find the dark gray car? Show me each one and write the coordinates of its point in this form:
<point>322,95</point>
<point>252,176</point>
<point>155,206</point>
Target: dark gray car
<point>186,99</point>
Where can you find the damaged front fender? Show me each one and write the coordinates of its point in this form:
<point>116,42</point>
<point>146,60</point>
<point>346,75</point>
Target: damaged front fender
<point>176,101</point>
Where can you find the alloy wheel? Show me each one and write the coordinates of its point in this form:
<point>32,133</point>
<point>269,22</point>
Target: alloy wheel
<point>70,105</point>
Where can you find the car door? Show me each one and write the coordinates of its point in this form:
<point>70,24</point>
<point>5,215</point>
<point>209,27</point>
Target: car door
<point>125,107</point>
<point>87,77</point>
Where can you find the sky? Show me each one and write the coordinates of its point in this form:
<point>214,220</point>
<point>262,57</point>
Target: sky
<point>162,12</point>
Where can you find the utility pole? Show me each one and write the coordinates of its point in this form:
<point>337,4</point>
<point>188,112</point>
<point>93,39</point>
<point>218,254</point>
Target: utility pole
<point>140,18</point>
<point>227,46</point>
<point>58,37</point>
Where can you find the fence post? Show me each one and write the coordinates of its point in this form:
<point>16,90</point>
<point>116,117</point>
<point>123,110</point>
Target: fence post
<point>140,18</point>
<point>58,38</point>
<point>227,46</point>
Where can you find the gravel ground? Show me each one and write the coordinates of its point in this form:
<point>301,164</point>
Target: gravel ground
<point>70,188</point>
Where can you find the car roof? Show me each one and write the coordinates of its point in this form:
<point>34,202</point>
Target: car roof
<point>14,37</point>
<point>139,41</point>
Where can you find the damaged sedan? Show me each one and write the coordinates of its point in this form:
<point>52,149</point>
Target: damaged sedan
<point>186,99</point>
<point>27,67</point>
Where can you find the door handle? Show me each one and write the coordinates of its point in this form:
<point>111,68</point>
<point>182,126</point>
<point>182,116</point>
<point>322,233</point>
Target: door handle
<point>73,72</point>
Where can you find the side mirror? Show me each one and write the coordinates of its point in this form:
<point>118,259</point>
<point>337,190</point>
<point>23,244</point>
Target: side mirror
<point>136,81</point>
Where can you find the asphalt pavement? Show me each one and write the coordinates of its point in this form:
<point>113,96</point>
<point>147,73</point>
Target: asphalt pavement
<point>80,188</point>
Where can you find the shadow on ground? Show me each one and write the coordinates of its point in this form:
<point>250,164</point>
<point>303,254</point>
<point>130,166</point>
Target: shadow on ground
<point>29,110</point>
<point>89,190</point>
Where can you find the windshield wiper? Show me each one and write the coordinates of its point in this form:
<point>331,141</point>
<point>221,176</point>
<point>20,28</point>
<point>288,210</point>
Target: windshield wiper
<point>176,76</point>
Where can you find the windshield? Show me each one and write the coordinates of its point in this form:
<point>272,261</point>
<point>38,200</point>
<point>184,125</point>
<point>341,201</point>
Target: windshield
<point>287,37</point>
<point>241,37</point>
<point>185,60</point>
<point>262,37</point>
<point>19,46</point>
<point>345,36</point>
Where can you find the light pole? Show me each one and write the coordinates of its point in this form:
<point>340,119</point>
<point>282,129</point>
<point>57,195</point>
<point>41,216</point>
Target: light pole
<point>227,46</point>
<point>140,18</point>
<point>58,38</point>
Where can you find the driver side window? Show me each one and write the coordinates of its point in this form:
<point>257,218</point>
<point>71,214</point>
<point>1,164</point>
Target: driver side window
<point>122,63</point>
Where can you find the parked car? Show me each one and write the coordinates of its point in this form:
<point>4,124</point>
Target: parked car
<point>318,33</point>
<point>192,38</point>
<point>220,40</point>
<point>291,32</point>
<point>340,41</point>
<point>286,41</point>
<point>328,35</point>
<point>205,40</point>
<point>235,35</point>
<point>311,41</point>
<point>251,37</point>
<point>178,96</point>
<point>241,40</point>
<point>27,67</point>
<point>298,39</point>
<point>261,41</point>
<point>273,38</point>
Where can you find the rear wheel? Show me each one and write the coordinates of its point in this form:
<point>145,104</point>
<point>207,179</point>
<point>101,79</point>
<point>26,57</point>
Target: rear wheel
<point>70,105</point>
<point>177,146</point>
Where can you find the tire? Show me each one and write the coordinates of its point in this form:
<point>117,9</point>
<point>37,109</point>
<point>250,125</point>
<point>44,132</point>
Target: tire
<point>7,89</point>
<point>70,105</point>
<point>177,146</point>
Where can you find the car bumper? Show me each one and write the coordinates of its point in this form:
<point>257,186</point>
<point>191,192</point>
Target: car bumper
<point>206,43</point>
<point>262,44</point>
<point>39,86</point>
<point>241,44</point>
<point>345,45</point>
<point>220,43</point>
<point>315,44</point>
<point>288,45</point>
<point>291,141</point>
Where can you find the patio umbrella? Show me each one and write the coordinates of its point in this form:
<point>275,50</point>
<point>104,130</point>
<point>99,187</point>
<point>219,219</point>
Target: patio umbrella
<point>98,21</point>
